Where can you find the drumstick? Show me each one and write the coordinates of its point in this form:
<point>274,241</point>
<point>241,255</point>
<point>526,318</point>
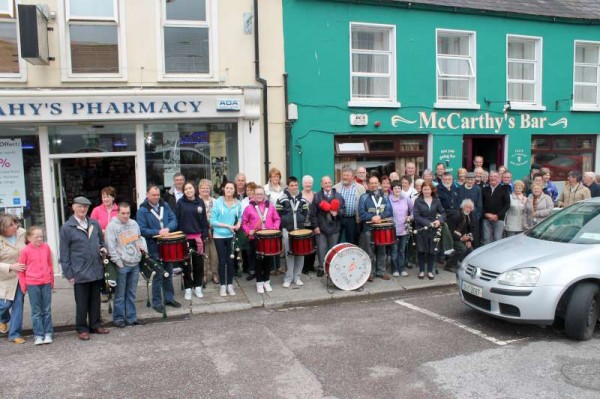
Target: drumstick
<point>381,221</point>
<point>169,234</point>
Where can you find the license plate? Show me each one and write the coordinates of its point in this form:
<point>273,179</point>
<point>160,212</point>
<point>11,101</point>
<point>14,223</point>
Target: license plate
<point>472,289</point>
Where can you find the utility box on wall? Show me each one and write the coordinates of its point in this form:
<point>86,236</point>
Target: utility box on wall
<point>33,32</point>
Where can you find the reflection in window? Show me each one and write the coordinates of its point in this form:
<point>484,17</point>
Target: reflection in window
<point>94,138</point>
<point>561,155</point>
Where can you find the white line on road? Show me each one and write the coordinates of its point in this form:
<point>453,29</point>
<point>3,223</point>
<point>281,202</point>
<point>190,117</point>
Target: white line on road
<point>457,324</point>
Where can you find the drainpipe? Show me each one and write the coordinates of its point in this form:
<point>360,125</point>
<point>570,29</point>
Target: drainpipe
<point>263,83</point>
<point>288,126</point>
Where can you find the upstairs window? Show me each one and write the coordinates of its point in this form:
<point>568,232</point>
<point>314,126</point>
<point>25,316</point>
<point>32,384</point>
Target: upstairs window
<point>187,39</point>
<point>524,72</point>
<point>586,82</point>
<point>11,64</point>
<point>94,38</point>
<point>455,67</point>
<point>373,64</point>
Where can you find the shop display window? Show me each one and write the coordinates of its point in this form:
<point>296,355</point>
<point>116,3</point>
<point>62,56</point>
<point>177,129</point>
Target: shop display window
<point>199,151</point>
<point>562,154</point>
<point>91,138</point>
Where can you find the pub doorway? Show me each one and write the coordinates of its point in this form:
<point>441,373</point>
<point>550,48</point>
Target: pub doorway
<point>490,148</point>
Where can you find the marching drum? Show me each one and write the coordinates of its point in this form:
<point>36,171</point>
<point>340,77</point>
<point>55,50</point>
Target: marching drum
<point>383,233</point>
<point>347,266</point>
<point>149,267</point>
<point>173,248</point>
<point>302,242</point>
<point>268,242</point>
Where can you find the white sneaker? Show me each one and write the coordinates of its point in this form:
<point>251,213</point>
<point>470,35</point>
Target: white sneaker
<point>396,274</point>
<point>188,294</point>
<point>260,288</point>
<point>48,339</point>
<point>230,290</point>
<point>299,282</point>
<point>267,285</point>
<point>198,292</point>
<point>286,284</point>
<point>404,274</point>
<point>38,341</point>
<point>223,291</point>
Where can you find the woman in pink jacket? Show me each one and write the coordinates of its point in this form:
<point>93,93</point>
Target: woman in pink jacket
<point>260,215</point>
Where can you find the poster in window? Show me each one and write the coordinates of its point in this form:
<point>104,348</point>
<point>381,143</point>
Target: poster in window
<point>12,176</point>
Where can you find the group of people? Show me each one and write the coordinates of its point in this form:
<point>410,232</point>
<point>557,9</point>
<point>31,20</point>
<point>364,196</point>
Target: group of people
<point>442,217</point>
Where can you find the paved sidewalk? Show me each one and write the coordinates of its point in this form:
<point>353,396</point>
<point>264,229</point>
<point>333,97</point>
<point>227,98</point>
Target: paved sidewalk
<point>313,291</point>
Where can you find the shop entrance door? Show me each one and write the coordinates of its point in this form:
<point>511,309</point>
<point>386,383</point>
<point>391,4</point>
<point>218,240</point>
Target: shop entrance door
<point>490,148</point>
<point>87,176</point>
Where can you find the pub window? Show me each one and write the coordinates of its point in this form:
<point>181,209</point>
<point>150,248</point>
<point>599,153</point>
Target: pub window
<point>562,154</point>
<point>524,72</point>
<point>94,38</point>
<point>586,80</point>
<point>384,154</point>
<point>11,64</point>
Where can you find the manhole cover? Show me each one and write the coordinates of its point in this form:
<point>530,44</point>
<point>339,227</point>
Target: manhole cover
<point>583,373</point>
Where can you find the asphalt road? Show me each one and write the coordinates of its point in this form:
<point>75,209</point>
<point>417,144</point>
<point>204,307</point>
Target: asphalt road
<point>422,345</point>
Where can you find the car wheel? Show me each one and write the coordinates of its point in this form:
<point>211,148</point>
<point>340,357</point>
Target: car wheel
<point>582,312</point>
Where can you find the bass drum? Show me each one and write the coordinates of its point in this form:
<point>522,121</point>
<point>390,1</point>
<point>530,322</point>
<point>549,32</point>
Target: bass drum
<point>347,266</point>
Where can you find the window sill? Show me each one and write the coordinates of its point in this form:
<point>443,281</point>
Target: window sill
<point>374,104</point>
<point>526,107</point>
<point>188,78</point>
<point>14,78</point>
<point>585,108</point>
<point>94,78</point>
<point>451,105</point>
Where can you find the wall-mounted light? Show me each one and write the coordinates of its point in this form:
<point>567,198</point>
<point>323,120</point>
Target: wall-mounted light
<point>506,106</point>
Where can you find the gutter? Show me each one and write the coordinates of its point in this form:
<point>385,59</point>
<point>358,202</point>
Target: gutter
<point>263,83</point>
<point>288,126</point>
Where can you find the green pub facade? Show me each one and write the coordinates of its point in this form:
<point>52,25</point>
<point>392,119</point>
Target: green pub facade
<point>382,83</point>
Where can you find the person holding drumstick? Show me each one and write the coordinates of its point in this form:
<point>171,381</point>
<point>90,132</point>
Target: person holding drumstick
<point>225,219</point>
<point>373,207</point>
<point>192,221</point>
<point>293,209</point>
<point>155,217</point>
<point>260,215</point>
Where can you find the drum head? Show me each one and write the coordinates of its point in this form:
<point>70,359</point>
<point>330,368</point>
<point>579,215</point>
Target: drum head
<point>268,233</point>
<point>175,237</point>
<point>386,225</point>
<point>301,232</point>
<point>349,268</point>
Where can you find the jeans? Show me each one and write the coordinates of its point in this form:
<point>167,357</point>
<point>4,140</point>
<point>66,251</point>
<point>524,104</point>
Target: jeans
<point>226,271</point>
<point>492,231</point>
<point>324,243</point>
<point>423,258</point>
<point>40,301</point>
<point>87,306</point>
<point>12,311</point>
<point>294,263</point>
<point>125,293</point>
<point>349,230</point>
<point>398,253</point>
<point>376,253</point>
<point>158,282</point>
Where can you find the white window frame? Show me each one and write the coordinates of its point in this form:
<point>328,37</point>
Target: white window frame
<point>472,59</point>
<point>536,105</point>
<point>586,107</point>
<point>11,17</point>
<point>213,44</point>
<point>64,19</point>
<point>392,100</point>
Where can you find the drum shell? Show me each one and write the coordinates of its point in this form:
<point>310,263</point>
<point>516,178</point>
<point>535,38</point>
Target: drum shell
<point>302,244</point>
<point>173,249</point>
<point>268,243</point>
<point>347,266</point>
<point>383,234</point>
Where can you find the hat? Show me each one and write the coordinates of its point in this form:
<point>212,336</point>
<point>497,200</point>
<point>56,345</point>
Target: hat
<point>470,175</point>
<point>82,201</point>
<point>536,166</point>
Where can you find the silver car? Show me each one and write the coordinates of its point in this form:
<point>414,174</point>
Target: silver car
<point>549,273</point>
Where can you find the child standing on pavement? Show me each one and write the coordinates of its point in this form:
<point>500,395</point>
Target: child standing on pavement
<point>38,280</point>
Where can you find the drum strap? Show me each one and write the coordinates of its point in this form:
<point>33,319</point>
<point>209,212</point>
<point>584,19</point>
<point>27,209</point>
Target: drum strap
<point>159,216</point>
<point>377,204</point>
<point>295,205</point>
<point>262,216</point>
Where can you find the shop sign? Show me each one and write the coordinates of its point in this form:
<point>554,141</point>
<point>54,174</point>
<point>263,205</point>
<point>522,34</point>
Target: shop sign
<point>484,121</point>
<point>359,119</point>
<point>12,177</point>
<point>228,104</point>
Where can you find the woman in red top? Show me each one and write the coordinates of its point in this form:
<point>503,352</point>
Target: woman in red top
<point>38,279</point>
<point>108,210</point>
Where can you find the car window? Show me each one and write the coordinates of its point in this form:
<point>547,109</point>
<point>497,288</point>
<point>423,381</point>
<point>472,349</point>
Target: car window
<point>577,224</point>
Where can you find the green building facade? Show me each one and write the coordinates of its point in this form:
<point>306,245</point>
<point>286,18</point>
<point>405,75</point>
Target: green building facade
<point>382,83</point>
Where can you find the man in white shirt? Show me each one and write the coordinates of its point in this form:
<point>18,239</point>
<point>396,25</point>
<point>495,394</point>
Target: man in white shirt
<point>176,191</point>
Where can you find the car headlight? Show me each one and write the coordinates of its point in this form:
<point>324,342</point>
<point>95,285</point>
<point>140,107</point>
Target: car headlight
<point>526,277</point>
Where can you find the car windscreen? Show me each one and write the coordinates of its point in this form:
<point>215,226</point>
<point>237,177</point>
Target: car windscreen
<point>577,224</point>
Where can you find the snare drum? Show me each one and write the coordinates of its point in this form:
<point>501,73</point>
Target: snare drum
<point>302,242</point>
<point>173,248</point>
<point>347,266</point>
<point>383,233</point>
<point>268,242</point>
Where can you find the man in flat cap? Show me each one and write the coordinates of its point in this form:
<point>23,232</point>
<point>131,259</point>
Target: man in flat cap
<point>80,245</point>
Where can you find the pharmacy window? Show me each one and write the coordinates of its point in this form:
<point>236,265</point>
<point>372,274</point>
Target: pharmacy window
<point>524,72</point>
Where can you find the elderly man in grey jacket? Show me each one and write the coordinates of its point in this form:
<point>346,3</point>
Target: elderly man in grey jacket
<point>80,245</point>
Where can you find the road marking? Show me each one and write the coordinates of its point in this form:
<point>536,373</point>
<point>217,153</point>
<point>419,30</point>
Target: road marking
<point>457,324</point>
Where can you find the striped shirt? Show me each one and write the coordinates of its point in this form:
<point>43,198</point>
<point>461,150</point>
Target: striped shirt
<point>349,195</point>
